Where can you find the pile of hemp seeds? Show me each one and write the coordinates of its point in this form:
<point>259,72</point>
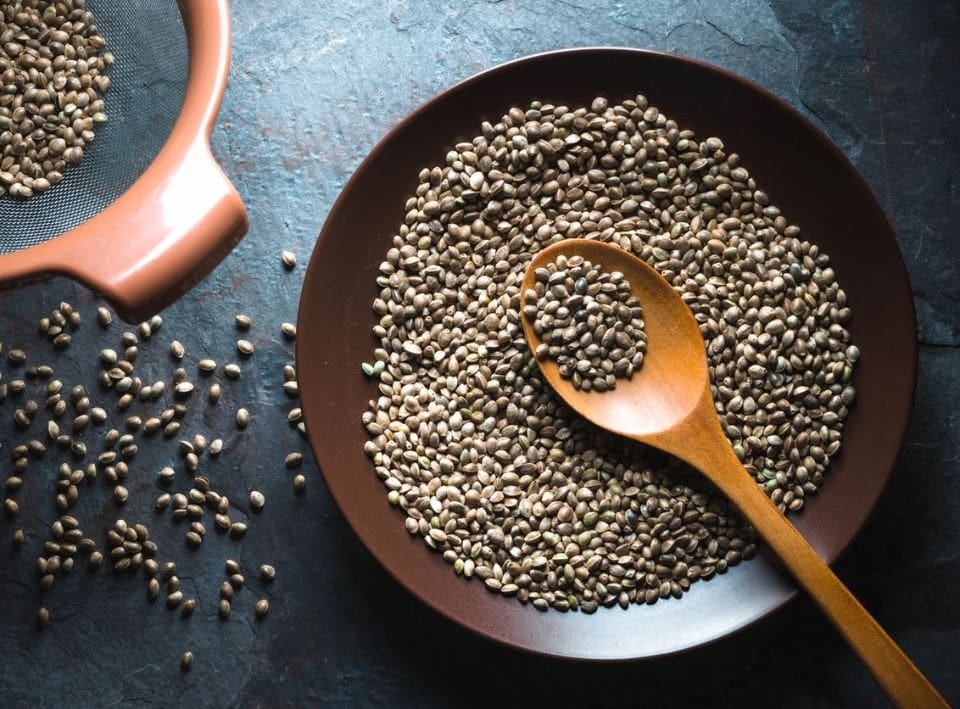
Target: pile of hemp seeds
<point>84,441</point>
<point>487,464</point>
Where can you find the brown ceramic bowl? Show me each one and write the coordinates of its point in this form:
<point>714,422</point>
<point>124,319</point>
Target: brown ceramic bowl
<point>804,173</point>
<point>178,220</point>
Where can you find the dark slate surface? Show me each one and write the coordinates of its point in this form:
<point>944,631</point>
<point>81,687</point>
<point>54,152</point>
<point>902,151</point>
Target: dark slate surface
<point>313,87</point>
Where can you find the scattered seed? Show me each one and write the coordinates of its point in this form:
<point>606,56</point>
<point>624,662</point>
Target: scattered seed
<point>223,608</point>
<point>294,460</point>
<point>267,572</point>
<point>242,322</point>
<point>243,418</point>
<point>245,347</point>
<point>289,330</point>
<point>43,616</point>
<point>186,661</point>
<point>177,350</point>
<point>289,259</point>
<point>206,365</point>
<point>262,607</point>
<point>257,499</point>
<point>299,484</point>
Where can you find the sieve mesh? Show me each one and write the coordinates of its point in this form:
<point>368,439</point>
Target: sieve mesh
<point>148,83</point>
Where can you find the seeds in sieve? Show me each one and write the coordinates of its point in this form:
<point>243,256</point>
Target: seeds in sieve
<point>52,76</point>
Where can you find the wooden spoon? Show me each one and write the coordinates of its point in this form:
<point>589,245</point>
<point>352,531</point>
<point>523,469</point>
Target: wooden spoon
<point>668,404</point>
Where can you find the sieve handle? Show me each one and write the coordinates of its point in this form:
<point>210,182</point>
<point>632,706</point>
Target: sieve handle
<point>170,239</point>
<point>183,216</point>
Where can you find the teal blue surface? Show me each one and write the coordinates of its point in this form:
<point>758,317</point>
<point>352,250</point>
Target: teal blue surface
<point>314,85</point>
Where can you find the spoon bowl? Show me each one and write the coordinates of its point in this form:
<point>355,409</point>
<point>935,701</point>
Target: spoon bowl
<point>667,389</point>
<point>668,404</point>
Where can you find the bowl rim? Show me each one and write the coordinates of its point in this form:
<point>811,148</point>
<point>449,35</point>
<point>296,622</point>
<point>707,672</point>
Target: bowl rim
<point>910,346</point>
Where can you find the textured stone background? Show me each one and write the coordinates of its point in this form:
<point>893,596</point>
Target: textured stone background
<point>313,87</point>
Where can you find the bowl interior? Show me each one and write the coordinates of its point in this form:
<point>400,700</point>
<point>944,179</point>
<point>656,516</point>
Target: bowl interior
<point>804,174</point>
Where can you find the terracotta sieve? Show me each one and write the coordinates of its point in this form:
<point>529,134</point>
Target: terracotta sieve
<point>148,212</point>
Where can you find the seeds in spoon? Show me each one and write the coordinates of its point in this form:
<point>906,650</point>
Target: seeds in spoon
<point>588,321</point>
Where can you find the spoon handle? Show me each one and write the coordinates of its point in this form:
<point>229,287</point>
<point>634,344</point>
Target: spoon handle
<point>903,683</point>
